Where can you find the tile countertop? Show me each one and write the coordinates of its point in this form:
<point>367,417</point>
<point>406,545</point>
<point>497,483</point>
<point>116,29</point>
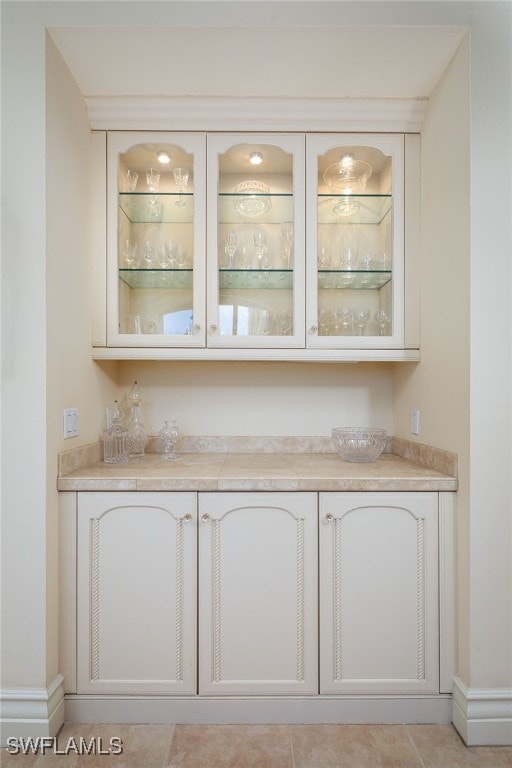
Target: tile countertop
<point>262,471</point>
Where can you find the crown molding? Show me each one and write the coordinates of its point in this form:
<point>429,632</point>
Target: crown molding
<point>248,114</point>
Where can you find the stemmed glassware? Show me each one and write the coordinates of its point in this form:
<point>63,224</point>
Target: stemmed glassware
<point>153,179</point>
<point>346,319</point>
<point>148,254</point>
<point>286,242</point>
<point>230,248</point>
<point>384,320</point>
<point>260,245</point>
<point>181,176</point>
<point>361,317</point>
<point>130,253</point>
<point>130,180</point>
<point>163,258</point>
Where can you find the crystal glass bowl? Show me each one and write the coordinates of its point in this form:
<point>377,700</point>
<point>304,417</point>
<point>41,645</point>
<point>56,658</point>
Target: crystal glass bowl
<point>254,198</point>
<point>348,179</point>
<point>359,443</point>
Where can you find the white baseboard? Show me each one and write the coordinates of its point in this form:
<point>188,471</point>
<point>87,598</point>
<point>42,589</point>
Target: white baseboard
<point>482,716</point>
<point>258,710</point>
<point>27,712</point>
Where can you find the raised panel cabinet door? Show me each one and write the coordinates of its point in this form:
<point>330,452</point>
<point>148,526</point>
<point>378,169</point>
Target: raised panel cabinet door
<point>258,593</point>
<point>379,593</point>
<point>136,593</point>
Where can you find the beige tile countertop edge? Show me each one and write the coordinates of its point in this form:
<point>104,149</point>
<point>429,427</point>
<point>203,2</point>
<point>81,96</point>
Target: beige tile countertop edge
<point>258,472</point>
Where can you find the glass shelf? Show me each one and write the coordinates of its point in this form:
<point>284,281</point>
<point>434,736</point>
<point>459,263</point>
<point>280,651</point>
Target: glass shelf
<point>281,208</point>
<point>353,279</point>
<point>162,207</point>
<point>371,209</point>
<point>157,278</point>
<point>256,278</point>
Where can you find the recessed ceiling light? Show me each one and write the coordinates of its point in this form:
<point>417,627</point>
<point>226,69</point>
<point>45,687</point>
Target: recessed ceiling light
<point>255,158</point>
<point>164,157</point>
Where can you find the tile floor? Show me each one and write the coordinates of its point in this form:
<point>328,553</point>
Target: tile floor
<point>268,746</point>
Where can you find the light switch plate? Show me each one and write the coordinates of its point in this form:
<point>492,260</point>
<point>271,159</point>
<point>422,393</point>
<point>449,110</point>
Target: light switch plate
<point>415,422</point>
<point>70,422</point>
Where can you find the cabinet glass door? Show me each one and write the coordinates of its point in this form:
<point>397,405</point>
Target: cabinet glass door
<point>156,254</point>
<point>255,240</point>
<point>355,279</point>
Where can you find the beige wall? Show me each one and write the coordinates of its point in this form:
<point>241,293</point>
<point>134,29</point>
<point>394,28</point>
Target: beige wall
<point>261,398</point>
<point>72,380</point>
<point>439,385</point>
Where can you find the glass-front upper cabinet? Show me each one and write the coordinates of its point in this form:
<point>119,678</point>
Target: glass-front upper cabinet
<point>256,193</point>
<point>355,225</point>
<point>156,253</point>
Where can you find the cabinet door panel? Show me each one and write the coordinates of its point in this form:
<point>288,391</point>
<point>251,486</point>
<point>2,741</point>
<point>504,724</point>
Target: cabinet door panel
<point>155,250</point>
<point>258,602</point>
<point>379,623</point>
<point>355,246</point>
<point>256,241</point>
<point>136,593</point>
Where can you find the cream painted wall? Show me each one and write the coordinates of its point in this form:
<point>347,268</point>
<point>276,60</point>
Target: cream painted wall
<point>439,385</point>
<point>490,524</point>
<point>261,398</point>
<point>71,378</point>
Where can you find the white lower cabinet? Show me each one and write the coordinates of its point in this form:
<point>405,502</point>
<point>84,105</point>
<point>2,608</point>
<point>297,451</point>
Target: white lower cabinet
<point>252,624</point>
<point>379,593</point>
<point>258,593</point>
<point>136,593</point>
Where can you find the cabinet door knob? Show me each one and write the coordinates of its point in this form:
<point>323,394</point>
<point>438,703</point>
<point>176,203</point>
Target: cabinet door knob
<point>205,518</point>
<point>187,518</point>
<point>329,518</point>
<point>213,328</point>
<point>313,329</point>
<point>197,328</point>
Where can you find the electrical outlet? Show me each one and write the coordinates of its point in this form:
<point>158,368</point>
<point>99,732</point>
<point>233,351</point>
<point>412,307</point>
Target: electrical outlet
<point>70,422</point>
<point>415,422</point>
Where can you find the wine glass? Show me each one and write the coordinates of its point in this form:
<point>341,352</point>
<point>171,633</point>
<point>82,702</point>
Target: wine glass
<point>181,180</point>
<point>286,242</point>
<point>324,259</point>
<point>163,258</point>
<point>130,253</point>
<point>346,318</point>
<point>148,254</point>
<point>361,317</point>
<point>153,179</point>
<point>181,257</point>
<point>130,180</point>
<point>230,248</point>
<point>383,319</point>
<point>260,244</point>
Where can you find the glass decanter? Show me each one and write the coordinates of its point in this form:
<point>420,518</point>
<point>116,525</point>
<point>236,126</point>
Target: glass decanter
<point>137,432</point>
<point>115,441</point>
<point>169,436</point>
